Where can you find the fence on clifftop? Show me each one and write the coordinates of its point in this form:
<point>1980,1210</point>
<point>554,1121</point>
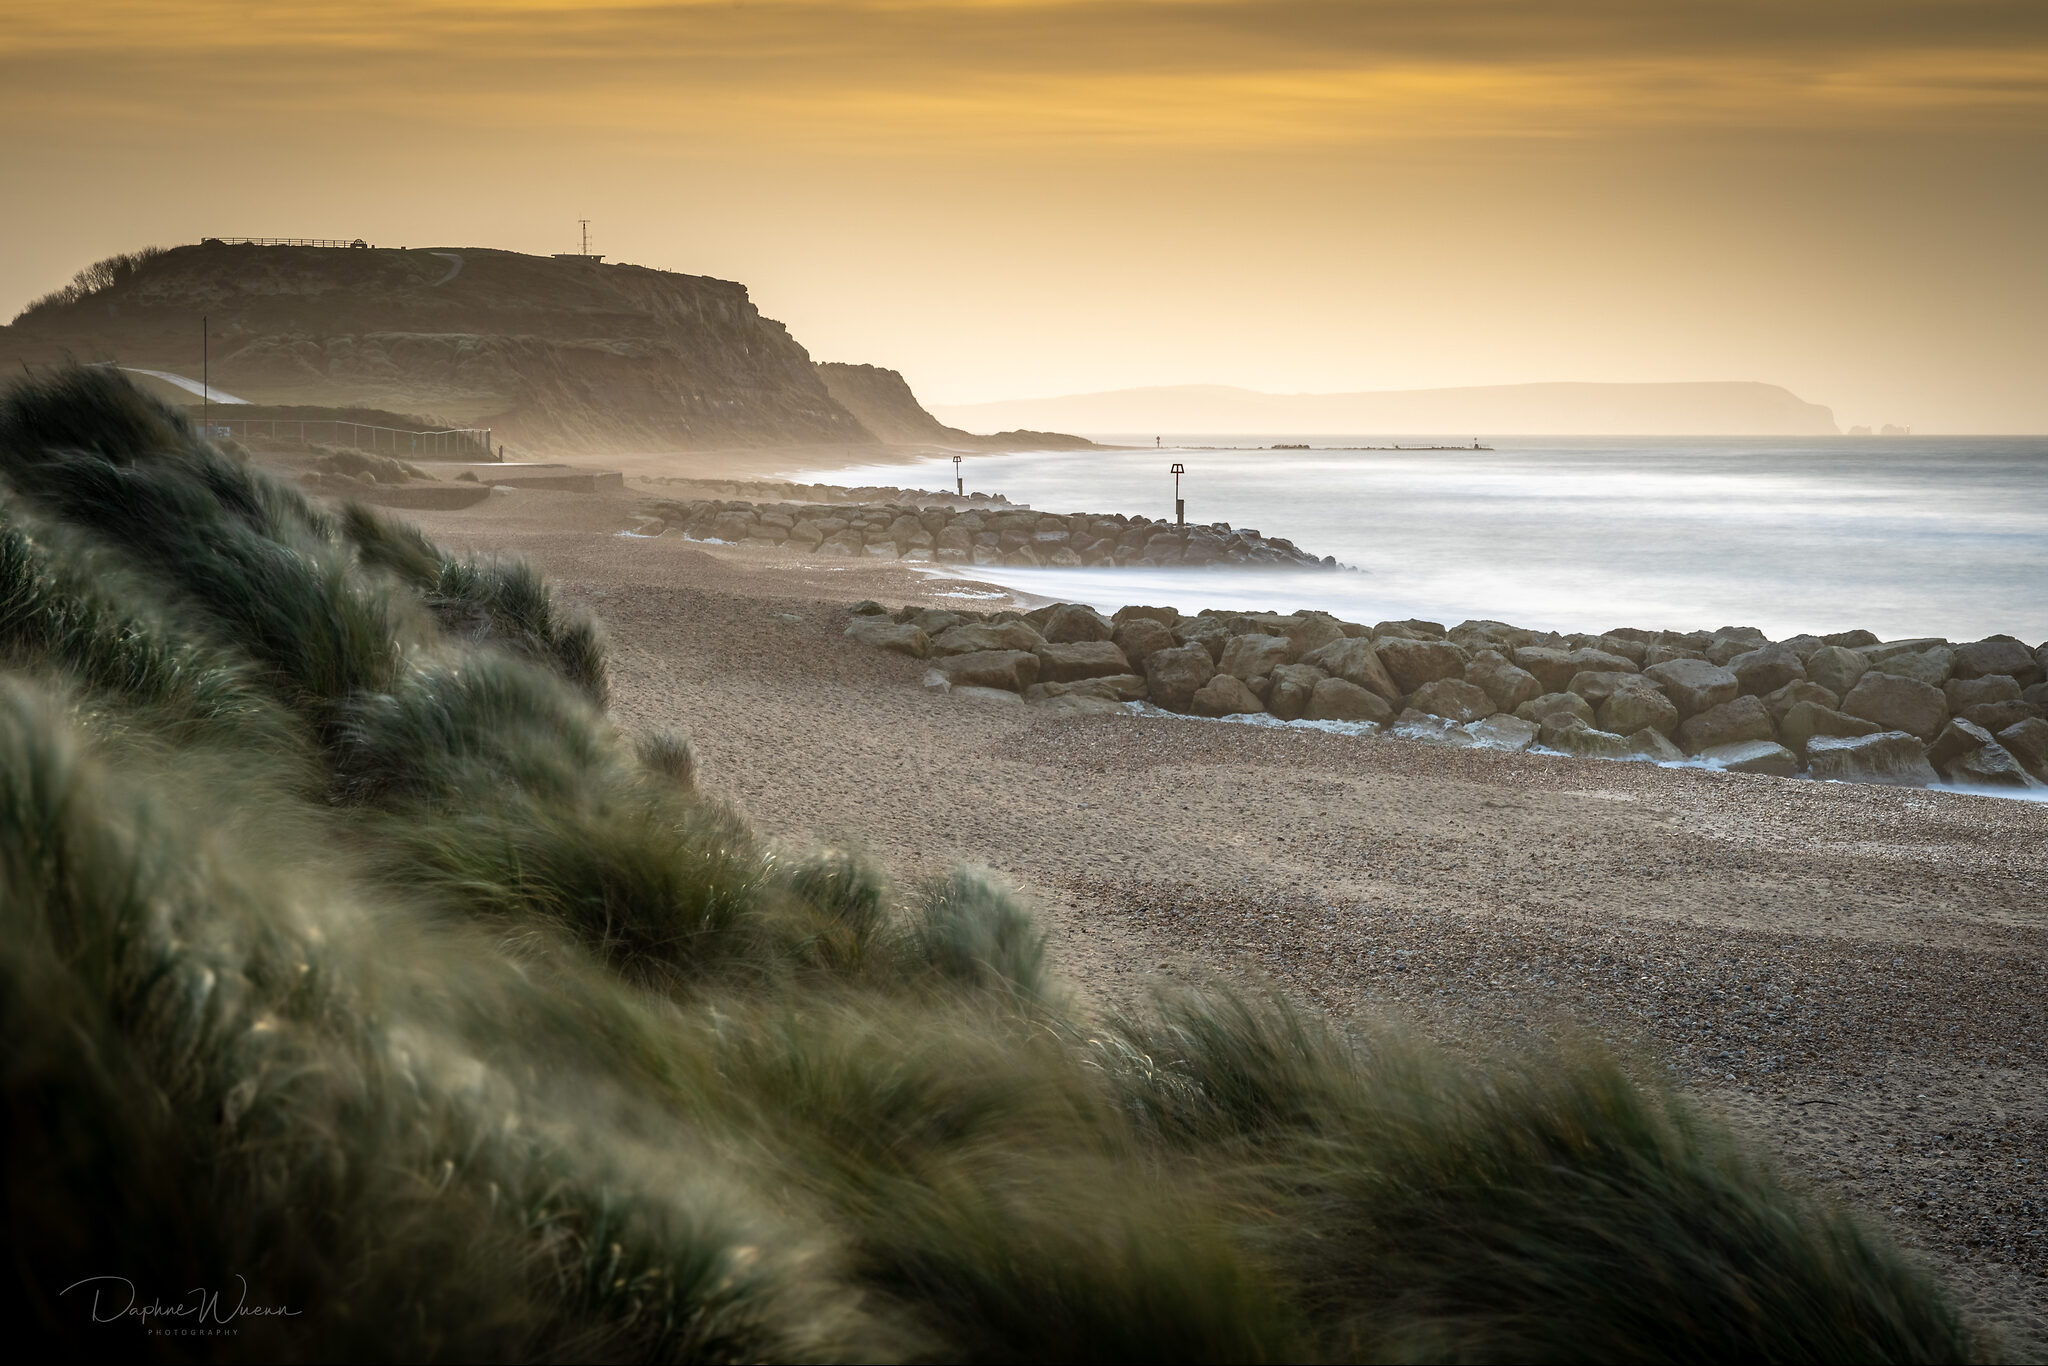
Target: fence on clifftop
<point>355,242</point>
<point>466,443</point>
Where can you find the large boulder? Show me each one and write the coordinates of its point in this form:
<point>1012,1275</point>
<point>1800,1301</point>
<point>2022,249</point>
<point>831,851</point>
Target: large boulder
<point>1172,677</point>
<point>1354,660</point>
<point>1140,638</point>
<point>1753,756</point>
<point>1420,726</point>
<point>974,637</point>
<point>1293,685</point>
<point>1508,684</point>
<point>1653,744</point>
<point>2027,741</point>
<point>1694,685</point>
<point>1118,688</point>
<point>1453,698</point>
<point>1931,665</point>
<point>1996,716</point>
<point>1225,695</point>
<point>1836,668</point>
<point>1586,742</point>
<point>1968,692</point>
<point>1555,704</point>
<point>1073,622</point>
<point>1011,670</point>
<point>1890,757</point>
<point>1414,628</point>
<point>1412,663</point>
<point>1766,669</point>
<point>1992,766</point>
<point>1165,616</point>
<point>1778,702</point>
<point>1588,659</point>
<point>1501,731</point>
<point>885,634</point>
<point>1076,660</point>
<point>1958,738</point>
<point>1339,699</point>
<point>1898,703</point>
<point>1732,722</point>
<point>1981,658</point>
<point>1310,631</point>
<point>1596,686</point>
<point>1726,645</point>
<point>1629,710</point>
<point>1805,720</point>
<point>1249,657</point>
<point>1552,668</point>
<point>1211,633</point>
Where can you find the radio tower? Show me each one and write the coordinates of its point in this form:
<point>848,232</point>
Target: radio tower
<point>586,235</point>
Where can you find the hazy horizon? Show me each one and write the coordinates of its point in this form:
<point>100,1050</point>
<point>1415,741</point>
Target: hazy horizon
<point>1003,198</point>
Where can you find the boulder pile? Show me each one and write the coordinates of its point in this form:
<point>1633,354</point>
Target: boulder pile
<point>784,492</point>
<point>1847,706</point>
<point>992,535</point>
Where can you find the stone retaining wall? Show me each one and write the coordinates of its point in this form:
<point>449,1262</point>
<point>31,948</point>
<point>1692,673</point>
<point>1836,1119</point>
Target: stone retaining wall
<point>1845,706</point>
<point>983,536</point>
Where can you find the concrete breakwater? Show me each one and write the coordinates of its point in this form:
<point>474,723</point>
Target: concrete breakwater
<point>982,536</point>
<point>1846,706</point>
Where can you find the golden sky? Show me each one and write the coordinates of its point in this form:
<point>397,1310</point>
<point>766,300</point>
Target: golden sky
<point>1006,198</point>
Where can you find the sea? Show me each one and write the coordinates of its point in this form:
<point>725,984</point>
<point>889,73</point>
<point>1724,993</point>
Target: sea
<point>1902,536</point>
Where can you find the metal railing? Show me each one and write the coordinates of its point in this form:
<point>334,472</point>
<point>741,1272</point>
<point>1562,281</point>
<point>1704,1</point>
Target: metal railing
<point>473,443</point>
<point>283,242</point>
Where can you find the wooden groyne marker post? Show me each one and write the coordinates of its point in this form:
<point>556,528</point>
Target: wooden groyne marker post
<point>1180,506</point>
<point>959,479</point>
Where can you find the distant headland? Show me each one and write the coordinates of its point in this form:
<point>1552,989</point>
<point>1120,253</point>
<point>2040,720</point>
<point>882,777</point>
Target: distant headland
<point>1735,408</point>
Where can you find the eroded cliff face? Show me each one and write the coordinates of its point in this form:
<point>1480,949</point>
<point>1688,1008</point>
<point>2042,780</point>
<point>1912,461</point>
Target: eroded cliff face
<point>554,353</point>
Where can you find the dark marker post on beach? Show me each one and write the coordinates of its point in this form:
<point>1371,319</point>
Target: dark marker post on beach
<point>1180,507</point>
<point>959,479</point>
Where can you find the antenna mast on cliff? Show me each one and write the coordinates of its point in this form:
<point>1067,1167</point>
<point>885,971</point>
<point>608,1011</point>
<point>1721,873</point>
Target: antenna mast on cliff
<point>586,235</point>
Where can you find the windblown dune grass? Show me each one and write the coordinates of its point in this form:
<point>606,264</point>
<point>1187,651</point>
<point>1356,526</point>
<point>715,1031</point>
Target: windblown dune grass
<point>348,952</point>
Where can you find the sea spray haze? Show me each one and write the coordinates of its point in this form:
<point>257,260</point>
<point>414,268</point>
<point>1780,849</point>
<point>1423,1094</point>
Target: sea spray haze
<point>1904,536</point>
<point>350,955</point>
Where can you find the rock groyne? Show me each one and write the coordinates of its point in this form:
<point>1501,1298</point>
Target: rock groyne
<point>1846,706</point>
<point>936,527</point>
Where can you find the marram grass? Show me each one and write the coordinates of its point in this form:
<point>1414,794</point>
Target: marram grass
<point>351,961</point>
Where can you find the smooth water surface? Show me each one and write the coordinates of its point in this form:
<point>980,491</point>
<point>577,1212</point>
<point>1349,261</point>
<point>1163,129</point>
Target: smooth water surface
<point>1904,536</point>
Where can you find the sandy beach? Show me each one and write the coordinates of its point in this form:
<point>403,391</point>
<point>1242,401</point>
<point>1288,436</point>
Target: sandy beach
<point>1851,974</point>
